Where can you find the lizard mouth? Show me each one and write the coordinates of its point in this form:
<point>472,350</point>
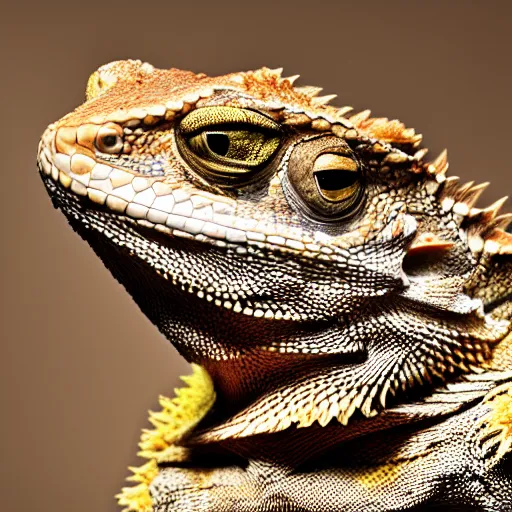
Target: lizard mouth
<point>216,225</point>
<point>195,214</point>
<point>284,302</point>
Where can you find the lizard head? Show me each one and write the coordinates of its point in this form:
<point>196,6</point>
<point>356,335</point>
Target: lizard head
<point>311,259</point>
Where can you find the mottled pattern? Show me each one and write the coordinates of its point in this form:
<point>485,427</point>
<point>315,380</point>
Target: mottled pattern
<point>350,302</point>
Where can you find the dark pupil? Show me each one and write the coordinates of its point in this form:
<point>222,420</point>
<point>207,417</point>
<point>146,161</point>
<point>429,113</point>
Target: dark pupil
<point>110,140</point>
<point>218,143</point>
<point>335,179</point>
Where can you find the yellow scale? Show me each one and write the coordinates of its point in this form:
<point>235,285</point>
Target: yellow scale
<point>178,416</point>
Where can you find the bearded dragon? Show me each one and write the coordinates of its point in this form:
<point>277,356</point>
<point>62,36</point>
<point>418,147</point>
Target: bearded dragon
<point>345,305</point>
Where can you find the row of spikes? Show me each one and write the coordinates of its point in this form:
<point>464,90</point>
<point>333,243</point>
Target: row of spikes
<point>485,227</point>
<point>177,416</point>
<point>390,131</point>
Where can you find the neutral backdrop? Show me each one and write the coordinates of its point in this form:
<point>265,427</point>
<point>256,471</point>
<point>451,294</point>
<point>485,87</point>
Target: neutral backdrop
<point>80,365</point>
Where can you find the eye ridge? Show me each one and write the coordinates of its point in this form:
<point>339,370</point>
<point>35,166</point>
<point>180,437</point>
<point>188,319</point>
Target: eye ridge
<point>220,117</point>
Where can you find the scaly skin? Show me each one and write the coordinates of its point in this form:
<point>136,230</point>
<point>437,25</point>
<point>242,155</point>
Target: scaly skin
<point>349,303</point>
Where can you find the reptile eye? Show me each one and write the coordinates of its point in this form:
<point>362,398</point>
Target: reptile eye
<point>227,141</point>
<point>336,176</point>
<point>326,177</point>
<point>109,139</point>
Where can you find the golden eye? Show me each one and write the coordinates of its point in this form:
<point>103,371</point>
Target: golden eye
<point>109,139</point>
<point>228,141</point>
<point>244,148</point>
<point>327,178</point>
<point>336,176</point>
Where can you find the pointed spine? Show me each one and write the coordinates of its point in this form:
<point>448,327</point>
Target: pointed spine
<point>439,166</point>
<point>308,90</point>
<point>323,100</point>
<point>291,79</point>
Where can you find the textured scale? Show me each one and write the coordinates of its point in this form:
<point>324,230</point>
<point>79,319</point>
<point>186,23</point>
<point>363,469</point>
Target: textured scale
<point>349,304</point>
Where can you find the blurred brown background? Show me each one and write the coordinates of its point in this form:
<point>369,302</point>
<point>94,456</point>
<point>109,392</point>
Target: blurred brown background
<point>80,364</point>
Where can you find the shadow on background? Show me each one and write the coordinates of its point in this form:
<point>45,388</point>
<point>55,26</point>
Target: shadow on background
<point>80,364</point>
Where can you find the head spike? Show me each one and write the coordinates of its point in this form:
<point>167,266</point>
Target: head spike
<point>463,189</point>
<point>407,133</point>
<point>484,221</point>
<point>360,117</point>
<point>292,79</point>
<point>323,100</point>
<point>308,90</point>
<point>342,111</point>
<point>449,188</point>
<point>420,154</point>
<point>391,131</point>
<point>276,72</point>
<point>416,140</point>
<point>486,215</point>
<point>440,165</point>
<point>493,210</point>
<point>503,221</point>
<point>470,195</point>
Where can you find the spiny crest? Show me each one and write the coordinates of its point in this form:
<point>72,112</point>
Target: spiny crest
<point>268,83</point>
<point>137,498</point>
<point>265,84</point>
<point>439,166</point>
<point>178,416</point>
<point>486,225</point>
<point>390,131</point>
<point>485,228</point>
